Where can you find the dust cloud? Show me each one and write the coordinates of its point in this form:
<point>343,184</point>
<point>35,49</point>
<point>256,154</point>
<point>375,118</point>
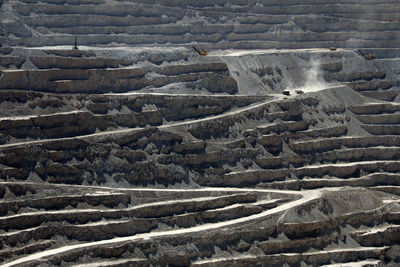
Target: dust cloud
<point>313,78</point>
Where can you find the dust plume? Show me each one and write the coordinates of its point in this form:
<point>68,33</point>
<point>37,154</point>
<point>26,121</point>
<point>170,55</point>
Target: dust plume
<point>313,78</point>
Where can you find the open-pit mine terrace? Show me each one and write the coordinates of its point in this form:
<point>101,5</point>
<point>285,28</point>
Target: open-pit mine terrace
<point>133,150</point>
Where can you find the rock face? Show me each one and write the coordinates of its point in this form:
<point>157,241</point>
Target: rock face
<point>218,24</point>
<point>156,156</point>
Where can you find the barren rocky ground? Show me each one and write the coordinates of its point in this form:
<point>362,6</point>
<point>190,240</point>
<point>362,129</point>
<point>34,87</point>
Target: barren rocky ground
<point>133,150</point>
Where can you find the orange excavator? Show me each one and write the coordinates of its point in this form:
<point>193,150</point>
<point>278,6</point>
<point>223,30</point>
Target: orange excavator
<point>201,52</point>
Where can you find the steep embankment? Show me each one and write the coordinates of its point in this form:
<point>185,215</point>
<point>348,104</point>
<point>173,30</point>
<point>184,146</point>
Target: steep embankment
<point>270,72</point>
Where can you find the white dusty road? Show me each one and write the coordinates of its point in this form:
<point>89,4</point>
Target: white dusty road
<point>235,53</point>
<point>106,133</point>
<point>275,98</point>
<point>306,197</point>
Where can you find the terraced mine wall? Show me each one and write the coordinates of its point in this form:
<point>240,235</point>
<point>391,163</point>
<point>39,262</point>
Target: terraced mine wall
<point>244,24</point>
<point>133,150</point>
<point>176,159</point>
